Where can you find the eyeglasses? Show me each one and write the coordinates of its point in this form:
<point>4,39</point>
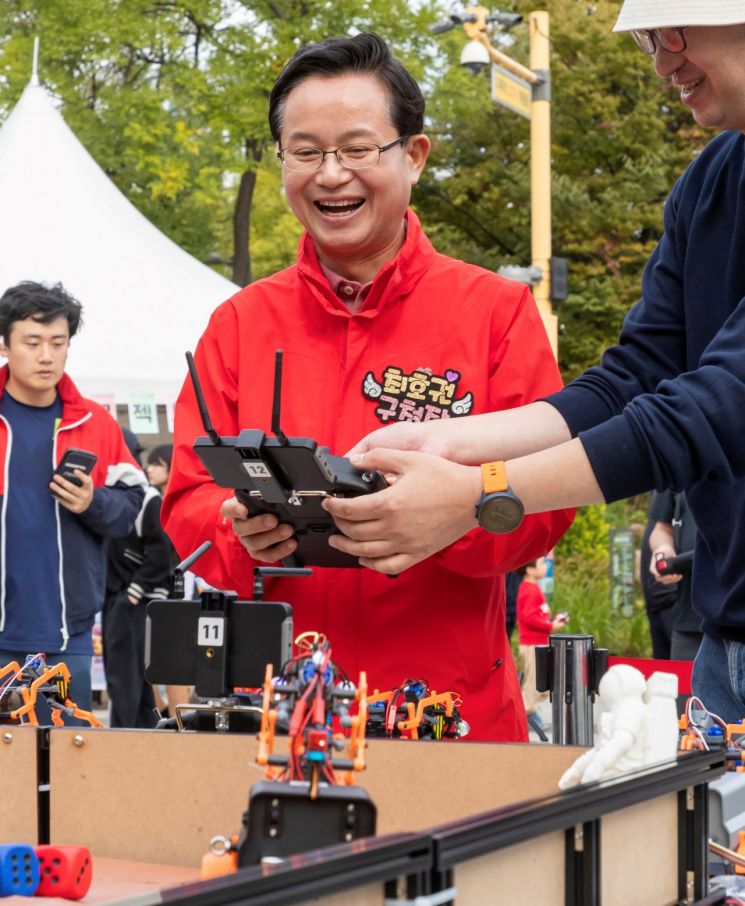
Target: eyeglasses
<point>359,156</point>
<point>669,39</point>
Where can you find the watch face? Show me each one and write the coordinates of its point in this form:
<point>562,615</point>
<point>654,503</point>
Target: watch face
<point>500,513</point>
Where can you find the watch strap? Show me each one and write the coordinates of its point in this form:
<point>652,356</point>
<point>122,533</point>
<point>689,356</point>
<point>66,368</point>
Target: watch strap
<point>494,477</point>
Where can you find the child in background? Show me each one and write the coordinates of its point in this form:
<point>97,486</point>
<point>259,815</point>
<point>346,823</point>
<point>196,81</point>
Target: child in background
<point>534,624</point>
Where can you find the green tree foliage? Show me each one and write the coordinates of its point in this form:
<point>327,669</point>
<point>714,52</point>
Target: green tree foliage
<point>619,140</point>
<point>171,98</point>
<point>587,537</point>
<point>582,590</point>
<point>129,76</point>
<point>583,582</point>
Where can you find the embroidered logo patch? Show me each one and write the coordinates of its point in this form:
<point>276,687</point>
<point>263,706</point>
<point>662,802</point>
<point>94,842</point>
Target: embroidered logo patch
<point>416,397</point>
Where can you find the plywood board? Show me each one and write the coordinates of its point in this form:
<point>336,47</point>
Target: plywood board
<point>160,797</point>
<point>530,872</point>
<point>371,895</point>
<point>19,822</point>
<point>148,796</point>
<point>639,854</point>
<point>417,785</point>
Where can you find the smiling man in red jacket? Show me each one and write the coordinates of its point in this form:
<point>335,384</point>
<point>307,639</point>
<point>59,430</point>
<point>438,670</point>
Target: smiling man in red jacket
<point>376,327</point>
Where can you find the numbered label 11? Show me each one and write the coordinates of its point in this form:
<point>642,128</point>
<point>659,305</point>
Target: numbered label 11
<point>210,631</point>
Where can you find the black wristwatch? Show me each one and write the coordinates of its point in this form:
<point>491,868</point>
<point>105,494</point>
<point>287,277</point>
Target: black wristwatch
<point>499,509</point>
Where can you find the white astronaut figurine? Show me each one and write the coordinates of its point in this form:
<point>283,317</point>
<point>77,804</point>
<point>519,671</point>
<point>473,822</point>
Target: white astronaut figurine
<point>638,726</point>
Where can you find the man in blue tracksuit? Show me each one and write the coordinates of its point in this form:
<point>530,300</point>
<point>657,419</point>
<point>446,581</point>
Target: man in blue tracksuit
<point>52,530</point>
<point>666,407</point>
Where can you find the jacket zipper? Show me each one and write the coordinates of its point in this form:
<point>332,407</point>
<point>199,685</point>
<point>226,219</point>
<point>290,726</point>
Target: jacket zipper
<point>63,599</point>
<point>343,344</point>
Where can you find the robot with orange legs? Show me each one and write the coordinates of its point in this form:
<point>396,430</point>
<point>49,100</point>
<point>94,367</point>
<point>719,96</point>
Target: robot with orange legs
<point>21,687</point>
<point>414,711</point>
<point>308,797</point>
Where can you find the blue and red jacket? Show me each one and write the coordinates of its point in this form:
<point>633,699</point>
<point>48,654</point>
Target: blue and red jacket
<point>119,489</point>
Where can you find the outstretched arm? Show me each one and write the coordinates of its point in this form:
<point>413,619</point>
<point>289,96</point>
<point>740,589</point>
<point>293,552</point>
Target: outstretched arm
<point>433,501</point>
<point>476,439</point>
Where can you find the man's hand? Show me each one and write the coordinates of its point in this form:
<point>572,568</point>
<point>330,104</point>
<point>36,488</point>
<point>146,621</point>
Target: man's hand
<point>430,505</point>
<point>663,552</point>
<point>430,437</point>
<point>262,536</point>
<point>507,435</point>
<point>73,498</point>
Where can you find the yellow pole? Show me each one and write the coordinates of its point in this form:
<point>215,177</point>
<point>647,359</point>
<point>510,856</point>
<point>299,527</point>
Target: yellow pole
<point>540,170</point>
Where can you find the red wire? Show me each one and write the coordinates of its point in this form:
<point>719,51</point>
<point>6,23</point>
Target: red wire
<point>315,687</point>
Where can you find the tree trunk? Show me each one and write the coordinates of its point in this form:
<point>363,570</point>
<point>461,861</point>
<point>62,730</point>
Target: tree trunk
<point>242,217</point>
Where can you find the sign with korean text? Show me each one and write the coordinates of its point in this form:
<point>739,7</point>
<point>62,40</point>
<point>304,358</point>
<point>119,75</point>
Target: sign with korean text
<point>511,91</point>
<point>143,413</point>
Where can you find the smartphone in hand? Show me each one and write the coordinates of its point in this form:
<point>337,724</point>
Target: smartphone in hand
<point>76,459</point>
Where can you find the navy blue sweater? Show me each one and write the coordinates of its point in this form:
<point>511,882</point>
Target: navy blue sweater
<point>666,407</point>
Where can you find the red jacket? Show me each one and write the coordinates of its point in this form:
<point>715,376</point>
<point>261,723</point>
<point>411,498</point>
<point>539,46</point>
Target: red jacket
<point>435,337</point>
<point>119,489</point>
<point>533,615</point>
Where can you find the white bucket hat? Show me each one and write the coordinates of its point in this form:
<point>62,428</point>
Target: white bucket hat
<point>662,13</point>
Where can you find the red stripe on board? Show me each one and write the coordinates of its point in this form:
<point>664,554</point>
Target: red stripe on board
<point>648,666</point>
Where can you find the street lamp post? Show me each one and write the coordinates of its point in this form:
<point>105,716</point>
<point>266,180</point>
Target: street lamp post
<point>527,91</point>
<point>540,168</point>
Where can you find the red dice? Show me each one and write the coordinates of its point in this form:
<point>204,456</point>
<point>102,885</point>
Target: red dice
<point>65,871</point>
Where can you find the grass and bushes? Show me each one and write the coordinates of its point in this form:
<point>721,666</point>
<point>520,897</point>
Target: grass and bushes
<point>582,581</point>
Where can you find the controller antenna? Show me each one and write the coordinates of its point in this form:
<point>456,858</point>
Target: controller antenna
<point>277,401</point>
<point>177,576</point>
<point>201,402</point>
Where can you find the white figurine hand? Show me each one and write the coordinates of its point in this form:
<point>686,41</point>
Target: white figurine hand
<point>574,774</point>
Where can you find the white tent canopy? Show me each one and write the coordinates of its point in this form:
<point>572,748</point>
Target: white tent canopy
<point>146,301</point>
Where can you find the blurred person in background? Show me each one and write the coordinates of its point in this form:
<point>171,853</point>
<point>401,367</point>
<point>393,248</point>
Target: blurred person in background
<point>659,598</point>
<point>139,570</point>
<point>158,471</point>
<point>534,625</point>
<point>512,582</point>
<point>673,534</point>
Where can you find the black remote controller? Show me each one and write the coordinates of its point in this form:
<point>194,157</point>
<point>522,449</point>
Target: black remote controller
<point>681,564</point>
<point>286,476</point>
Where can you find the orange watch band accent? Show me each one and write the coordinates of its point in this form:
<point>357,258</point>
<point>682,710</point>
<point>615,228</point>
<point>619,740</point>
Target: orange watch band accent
<point>493,477</point>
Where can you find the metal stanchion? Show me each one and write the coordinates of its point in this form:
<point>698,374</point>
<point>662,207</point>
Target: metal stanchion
<point>570,668</point>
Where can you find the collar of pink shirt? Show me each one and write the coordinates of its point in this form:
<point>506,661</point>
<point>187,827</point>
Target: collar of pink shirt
<point>351,293</point>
